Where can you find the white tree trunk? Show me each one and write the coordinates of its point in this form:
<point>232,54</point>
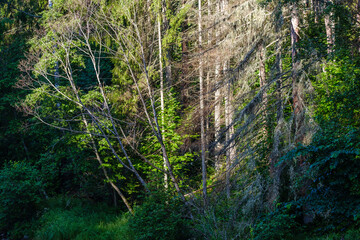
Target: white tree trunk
<point>162,105</point>
<point>330,29</point>
<point>218,100</point>
<point>358,20</point>
<point>230,151</point>
<point>202,107</point>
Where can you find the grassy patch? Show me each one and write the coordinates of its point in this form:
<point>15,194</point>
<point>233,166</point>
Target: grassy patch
<point>80,221</point>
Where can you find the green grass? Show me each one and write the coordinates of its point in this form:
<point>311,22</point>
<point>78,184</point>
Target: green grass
<point>81,221</point>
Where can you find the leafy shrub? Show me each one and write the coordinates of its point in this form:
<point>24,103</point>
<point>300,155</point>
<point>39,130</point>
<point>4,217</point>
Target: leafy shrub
<point>280,224</point>
<point>160,217</point>
<point>332,175</point>
<point>20,192</point>
<point>222,219</point>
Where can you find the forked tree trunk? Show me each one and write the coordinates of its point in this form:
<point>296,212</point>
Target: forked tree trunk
<point>92,141</point>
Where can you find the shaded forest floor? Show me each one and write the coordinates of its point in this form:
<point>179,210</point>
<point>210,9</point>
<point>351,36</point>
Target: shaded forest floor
<point>64,218</point>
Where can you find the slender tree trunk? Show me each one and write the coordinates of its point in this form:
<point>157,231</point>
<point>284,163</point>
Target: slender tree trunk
<point>358,21</point>
<point>262,77</point>
<point>208,75</point>
<point>330,28</point>
<point>168,72</point>
<point>50,4</point>
<point>275,172</point>
<point>227,137</point>
<point>202,109</point>
<point>217,109</point>
<point>230,151</point>
<point>98,158</point>
<point>167,61</point>
<point>297,101</point>
<point>25,148</point>
<point>184,64</point>
<point>316,10</point>
<point>162,105</point>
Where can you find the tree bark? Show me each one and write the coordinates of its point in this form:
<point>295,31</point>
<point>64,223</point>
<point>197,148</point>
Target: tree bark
<point>228,98</point>
<point>208,75</point>
<point>230,151</point>
<point>297,100</point>
<point>358,21</point>
<point>218,99</point>
<point>162,105</point>
<point>330,28</point>
<point>202,109</point>
<point>274,171</point>
<point>262,78</point>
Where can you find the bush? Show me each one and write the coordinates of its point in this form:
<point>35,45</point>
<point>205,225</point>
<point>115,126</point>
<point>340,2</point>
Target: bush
<point>160,217</point>
<point>20,192</point>
<point>280,224</point>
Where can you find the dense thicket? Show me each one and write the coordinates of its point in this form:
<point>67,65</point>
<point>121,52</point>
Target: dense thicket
<point>216,119</point>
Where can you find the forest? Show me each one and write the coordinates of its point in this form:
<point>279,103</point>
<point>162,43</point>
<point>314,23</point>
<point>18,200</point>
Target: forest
<point>179,119</point>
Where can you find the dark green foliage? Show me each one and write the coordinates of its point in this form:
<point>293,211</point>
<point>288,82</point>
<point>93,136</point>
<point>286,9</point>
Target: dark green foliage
<point>160,217</point>
<point>332,158</point>
<point>283,223</point>
<point>21,190</point>
<point>16,27</point>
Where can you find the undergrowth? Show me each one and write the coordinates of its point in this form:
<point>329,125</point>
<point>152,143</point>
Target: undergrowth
<point>74,219</point>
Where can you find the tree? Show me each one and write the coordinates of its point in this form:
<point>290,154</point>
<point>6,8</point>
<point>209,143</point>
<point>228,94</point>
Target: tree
<point>82,39</point>
<point>202,111</point>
